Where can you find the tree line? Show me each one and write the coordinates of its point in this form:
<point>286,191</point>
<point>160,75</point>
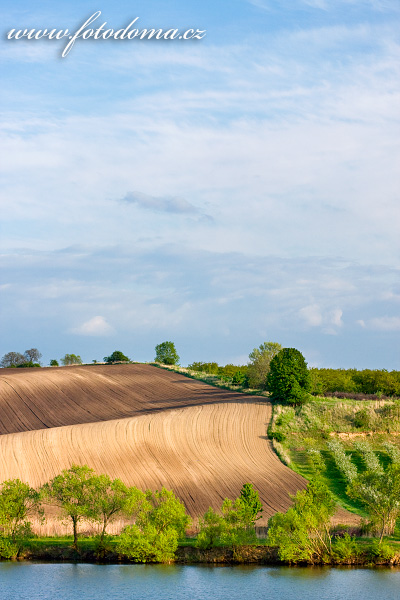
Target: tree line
<point>290,380</point>
<point>158,518</point>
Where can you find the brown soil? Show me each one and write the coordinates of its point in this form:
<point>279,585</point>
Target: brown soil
<point>148,426</point>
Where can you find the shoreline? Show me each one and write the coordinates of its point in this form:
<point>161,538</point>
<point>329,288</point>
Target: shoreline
<point>189,555</point>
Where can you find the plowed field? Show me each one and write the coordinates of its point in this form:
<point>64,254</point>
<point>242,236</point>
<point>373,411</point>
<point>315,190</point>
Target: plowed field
<point>148,426</point>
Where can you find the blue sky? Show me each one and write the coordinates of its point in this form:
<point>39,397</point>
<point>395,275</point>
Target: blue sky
<point>219,192</point>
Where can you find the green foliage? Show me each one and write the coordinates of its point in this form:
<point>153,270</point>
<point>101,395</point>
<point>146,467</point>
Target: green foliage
<point>342,460</point>
<point>116,356</point>
<point>27,365</point>
<point>278,436</point>
<point>166,354</point>
<point>362,419</point>
<point>240,378</point>
<point>18,501</point>
<point>110,498</point>
<point>204,367</point>
<point>251,500</point>
<point>379,492</point>
<point>288,379</point>
<point>163,510</point>
<point>260,359</point>
<point>8,549</point>
<point>380,550</point>
<point>345,548</point>
<point>212,526</point>
<point>234,525</point>
<point>71,359</point>
<point>302,533</point>
<point>54,362</point>
<point>146,544</point>
<point>352,381</point>
<point>160,520</point>
<point>74,491</point>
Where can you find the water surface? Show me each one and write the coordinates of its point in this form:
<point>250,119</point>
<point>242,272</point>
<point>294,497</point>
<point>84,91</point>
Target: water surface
<point>43,581</point>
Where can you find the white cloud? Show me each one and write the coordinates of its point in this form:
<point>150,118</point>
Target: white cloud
<point>336,317</point>
<point>97,326</point>
<point>312,315</point>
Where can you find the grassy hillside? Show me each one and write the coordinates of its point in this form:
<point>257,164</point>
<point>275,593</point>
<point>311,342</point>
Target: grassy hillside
<point>300,430</point>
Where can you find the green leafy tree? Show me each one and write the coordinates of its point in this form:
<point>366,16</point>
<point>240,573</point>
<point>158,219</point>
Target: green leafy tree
<point>110,499</point>
<point>379,492</point>
<point>74,491</point>
<point>146,544</point>
<point>71,359</point>
<point>251,500</point>
<point>116,356</point>
<point>54,362</point>
<point>234,525</point>
<point>166,354</point>
<point>303,532</point>
<point>160,520</point>
<point>288,379</point>
<point>18,501</point>
<point>260,359</point>
<point>212,527</point>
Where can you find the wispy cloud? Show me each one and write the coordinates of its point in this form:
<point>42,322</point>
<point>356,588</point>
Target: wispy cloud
<point>168,204</point>
<point>97,326</point>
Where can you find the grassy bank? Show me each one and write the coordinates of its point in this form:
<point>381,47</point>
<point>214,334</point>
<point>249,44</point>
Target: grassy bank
<point>298,431</point>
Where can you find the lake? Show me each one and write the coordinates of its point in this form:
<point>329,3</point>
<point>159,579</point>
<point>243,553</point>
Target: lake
<point>44,581</point>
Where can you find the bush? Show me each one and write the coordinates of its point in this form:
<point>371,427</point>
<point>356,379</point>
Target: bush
<point>380,550</point>
<point>288,379</point>
<point>54,362</point>
<point>8,549</point>
<point>241,379</point>
<point>345,548</point>
<point>278,436</point>
<point>116,356</point>
<point>205,367</point>
<point>147,544</point>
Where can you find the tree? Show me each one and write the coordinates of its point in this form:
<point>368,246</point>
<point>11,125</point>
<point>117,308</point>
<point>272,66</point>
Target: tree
<point>71,359</point>
<point>74,491</point>
<point>12,359</point>
<point>54,362</point>
<point>32,356</point>
<point>288,379</point>
<point>116,356</point>
<point>379,491</point>
<point>166,354</point>
<point>260,359</point>
<point>303,532</point>
<point>234,525</point>
<point>17,502</point>
<point>110,498</point>
<point>160,520</point>
<point>250,498</point>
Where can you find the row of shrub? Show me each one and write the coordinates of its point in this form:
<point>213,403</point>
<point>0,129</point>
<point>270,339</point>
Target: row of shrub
<point>352,383</point>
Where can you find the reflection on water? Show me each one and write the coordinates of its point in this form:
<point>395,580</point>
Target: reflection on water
<point>39,581</point>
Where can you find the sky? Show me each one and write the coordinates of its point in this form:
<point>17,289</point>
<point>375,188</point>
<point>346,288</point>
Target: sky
<point>217,192</point>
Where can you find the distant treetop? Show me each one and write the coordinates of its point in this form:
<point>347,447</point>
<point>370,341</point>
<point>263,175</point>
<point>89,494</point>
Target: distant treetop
<point>116,356</point>
<point>166,354</point>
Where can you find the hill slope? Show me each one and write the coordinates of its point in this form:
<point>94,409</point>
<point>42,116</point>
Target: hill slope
<point>148,426</point>
<point>41,398</point>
